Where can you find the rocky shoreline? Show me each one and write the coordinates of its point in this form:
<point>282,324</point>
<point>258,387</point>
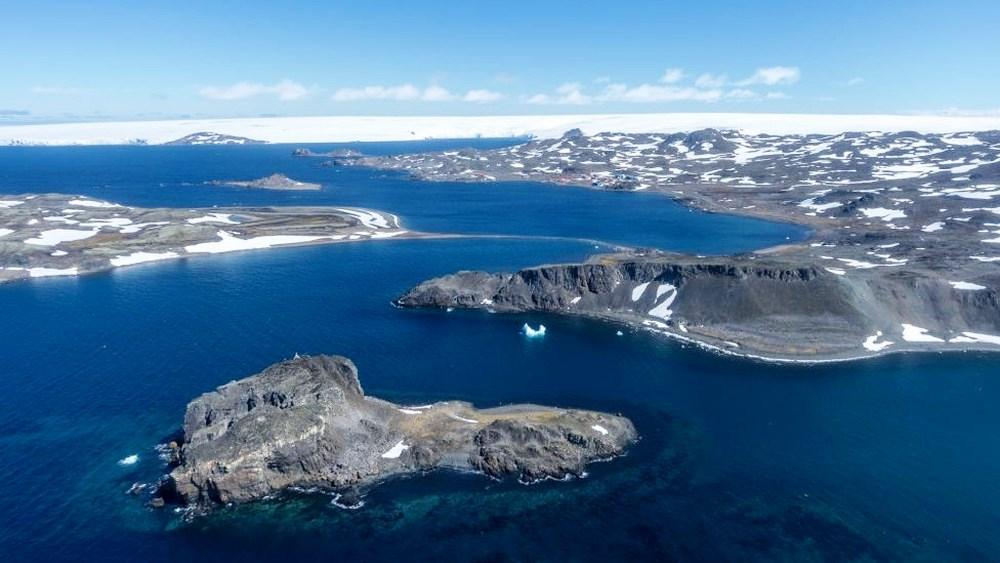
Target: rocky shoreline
<point>903,253</point>
<point>64,235</point>
<point>306,424</point>
<point>768,308</point>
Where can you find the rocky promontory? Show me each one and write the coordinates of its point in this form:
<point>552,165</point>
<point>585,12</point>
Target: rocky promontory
<point>779,307</point>
<point>307,423</point>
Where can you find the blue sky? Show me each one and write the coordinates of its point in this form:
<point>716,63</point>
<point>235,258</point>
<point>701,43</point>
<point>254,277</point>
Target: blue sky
<point>118,60</point>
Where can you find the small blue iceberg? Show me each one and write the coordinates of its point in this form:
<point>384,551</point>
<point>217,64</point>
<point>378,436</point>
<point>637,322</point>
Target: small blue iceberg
<point>529,332</point>
<point>128,460</point>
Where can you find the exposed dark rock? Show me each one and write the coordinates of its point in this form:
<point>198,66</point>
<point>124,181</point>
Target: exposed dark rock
<point>753,306</point>
<point>210,138</point>
<point>307,423</point>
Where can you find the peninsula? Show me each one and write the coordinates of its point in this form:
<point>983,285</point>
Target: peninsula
<point>65,235</point>
<point>306,423</point>
<point>903,256</point>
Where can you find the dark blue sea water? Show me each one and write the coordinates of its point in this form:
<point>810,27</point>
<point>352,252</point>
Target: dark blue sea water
<point>889,459</point>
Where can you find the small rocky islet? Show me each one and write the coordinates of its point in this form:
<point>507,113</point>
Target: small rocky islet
<point>276,181</point>
<point>306,423</point>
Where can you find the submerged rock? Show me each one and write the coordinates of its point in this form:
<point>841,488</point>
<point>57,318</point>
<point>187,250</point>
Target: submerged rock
<point>306,423</point>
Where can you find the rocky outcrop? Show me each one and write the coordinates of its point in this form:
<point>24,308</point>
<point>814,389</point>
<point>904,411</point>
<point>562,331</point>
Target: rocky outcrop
<point>307,423</point>
<point>759,306</point>
<point>278,182</point>
<point>211,138</point>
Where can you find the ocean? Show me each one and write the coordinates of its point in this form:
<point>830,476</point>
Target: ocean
<point>894,458</point>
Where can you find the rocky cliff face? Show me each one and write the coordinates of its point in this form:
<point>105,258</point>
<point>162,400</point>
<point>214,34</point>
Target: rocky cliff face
<point>756,306</point>
<point>306,422</point>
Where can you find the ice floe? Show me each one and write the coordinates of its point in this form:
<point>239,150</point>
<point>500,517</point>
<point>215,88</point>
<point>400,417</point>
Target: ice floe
<point>529,332</point>
<point>129,460</point>
<point>5,232</point>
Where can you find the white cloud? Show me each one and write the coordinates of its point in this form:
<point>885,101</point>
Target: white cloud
<point>673,86</point>
<point>409,93</point>
<point>570,93</point>
<point>772,75</point>
<point>672,75</point>
<point>741,94</point>
<point>854,81</point>
<point>286,90</point>
<point>57,91</point>
<point>403,92</point>
<point>480,96</point>
<point>710,80</point>
<point>646,93</point>
<point>436,94</point>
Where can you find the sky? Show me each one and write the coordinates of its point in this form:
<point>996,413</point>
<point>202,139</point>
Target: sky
<point>96,60</point>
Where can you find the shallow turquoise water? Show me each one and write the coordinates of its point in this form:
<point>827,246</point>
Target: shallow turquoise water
<point>894,458</point>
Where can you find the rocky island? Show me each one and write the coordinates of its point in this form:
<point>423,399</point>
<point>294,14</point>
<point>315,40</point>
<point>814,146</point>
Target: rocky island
<point>904,252</point>
<point>277,182</point>
<point>66,235</point>
<point>307,423</point>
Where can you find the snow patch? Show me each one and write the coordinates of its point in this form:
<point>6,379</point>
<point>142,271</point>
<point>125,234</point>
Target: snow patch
<point>872,343</point>
<point>599,428</point>
<point>395,451</point>
<point>913,333</point>
<point>140,257</point>
<point>53,237</point>
<point>967,286</point>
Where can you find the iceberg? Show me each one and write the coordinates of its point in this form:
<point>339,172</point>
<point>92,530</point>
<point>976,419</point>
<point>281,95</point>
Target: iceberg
<point>532,332</point>
<point>128,460</point>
